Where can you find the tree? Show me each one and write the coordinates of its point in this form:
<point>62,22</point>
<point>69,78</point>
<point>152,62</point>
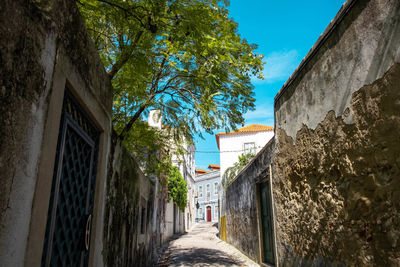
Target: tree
<point>183,57</point>
<point>231,172</point>
<point>177,188</point>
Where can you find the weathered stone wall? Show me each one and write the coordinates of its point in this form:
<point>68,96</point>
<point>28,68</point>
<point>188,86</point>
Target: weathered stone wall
<point>23,83</point>
<point>241,204</point>
<point>44,48</point>
<point>128,192</point>
<point>34,35</point>
<point>336,171</point>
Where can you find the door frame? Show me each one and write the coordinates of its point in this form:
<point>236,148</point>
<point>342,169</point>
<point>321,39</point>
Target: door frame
<point>65,76</point>
<point>267,178</point>
<point>208,208</point>
<point>70,124</point>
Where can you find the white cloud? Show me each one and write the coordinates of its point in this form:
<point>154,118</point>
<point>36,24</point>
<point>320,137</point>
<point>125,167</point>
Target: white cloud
<point>260,112</point>
<point>262,115</point>
<point>279,66</point>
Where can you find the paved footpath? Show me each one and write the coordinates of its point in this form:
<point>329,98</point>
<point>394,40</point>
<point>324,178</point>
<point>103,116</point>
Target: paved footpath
<point>201,247</point>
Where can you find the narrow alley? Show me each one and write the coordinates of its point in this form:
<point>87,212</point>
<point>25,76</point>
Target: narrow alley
<point>201,246</point>
<point>138,133</point>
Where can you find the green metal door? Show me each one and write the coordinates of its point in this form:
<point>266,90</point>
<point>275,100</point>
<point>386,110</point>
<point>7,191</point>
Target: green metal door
<point>69,222</point>
<point>266,223</point>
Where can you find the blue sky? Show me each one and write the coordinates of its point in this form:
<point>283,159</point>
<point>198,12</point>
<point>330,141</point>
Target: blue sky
<point>285,31</point>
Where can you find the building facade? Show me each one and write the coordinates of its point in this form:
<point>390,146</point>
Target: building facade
<point>176,220</point>
<point>187,168</point>
<point>249,139</point>
<point>207,188</point>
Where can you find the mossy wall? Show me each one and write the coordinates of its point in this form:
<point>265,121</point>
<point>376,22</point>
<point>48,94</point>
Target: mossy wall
<point>22,83</point>
<point>242,205</point>
<point>128,192</point>
<point>33,34</point>
<point>35,37</point>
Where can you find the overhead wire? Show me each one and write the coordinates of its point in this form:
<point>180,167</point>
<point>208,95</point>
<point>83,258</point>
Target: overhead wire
<point>226,151</point>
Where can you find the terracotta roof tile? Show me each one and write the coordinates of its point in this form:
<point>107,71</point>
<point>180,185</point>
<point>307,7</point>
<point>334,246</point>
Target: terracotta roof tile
<point>213,166</point>
<point>250,128</point>
<point>200,171</point>
<point>246,129</point>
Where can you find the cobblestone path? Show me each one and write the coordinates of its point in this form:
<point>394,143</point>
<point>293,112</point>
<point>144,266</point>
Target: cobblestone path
<point>201,247</point>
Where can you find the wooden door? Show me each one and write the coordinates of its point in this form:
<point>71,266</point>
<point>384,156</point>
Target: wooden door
<point>208,214</point>
<point>267,223</point>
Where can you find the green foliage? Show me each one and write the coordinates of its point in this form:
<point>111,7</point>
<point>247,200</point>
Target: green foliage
<point>148,144</point>
<point>183,57</point>
<point>234,170</point>
<point>177,188</point>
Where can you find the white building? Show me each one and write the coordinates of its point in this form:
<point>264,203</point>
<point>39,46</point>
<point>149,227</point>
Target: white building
<point>175,220</point>
<point>231,145</point>
<point>186,166</point>
<point>251,138</point>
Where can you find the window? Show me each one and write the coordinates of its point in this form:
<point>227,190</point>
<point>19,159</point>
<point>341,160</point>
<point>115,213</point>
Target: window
<point>216,188</point>
<point>200,212</point>
<point>149,209</point>
<point>143,217</point>
<point>142,221</point>
<point>216,212</point>
<point>208,187</point>
<point>249,148</point>
<point>208,196</point>
<point>200,191</point>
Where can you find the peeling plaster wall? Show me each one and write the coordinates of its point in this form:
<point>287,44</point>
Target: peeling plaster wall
<point>241,204</point>
<point>360,50</point>
<point>336,170</point>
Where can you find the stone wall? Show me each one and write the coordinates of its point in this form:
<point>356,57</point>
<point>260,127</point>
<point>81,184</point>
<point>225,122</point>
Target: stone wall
<point>130,196</point>
<point>335,164</point>
<point>44,45</point>
<point>242,204</point>
<point>336,171</point>
<point>45,49</point>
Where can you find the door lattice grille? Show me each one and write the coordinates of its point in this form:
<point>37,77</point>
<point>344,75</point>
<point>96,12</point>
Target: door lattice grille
<point>72,190</point>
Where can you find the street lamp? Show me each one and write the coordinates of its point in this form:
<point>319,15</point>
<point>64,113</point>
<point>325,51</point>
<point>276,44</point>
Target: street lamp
<point>196,199</point>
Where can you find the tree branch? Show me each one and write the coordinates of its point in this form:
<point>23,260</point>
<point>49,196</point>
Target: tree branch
<point>144,105</point>
<point>127,11</point>
<point>157,78</point>
<point>132,121</point>
<point>124,57</point>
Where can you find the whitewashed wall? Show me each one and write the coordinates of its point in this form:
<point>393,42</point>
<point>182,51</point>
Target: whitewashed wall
<point>235,142</point>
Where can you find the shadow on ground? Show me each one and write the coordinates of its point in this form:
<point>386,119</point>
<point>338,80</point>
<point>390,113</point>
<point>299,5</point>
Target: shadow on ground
<point>191,256</point>
<point>163,253</point>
